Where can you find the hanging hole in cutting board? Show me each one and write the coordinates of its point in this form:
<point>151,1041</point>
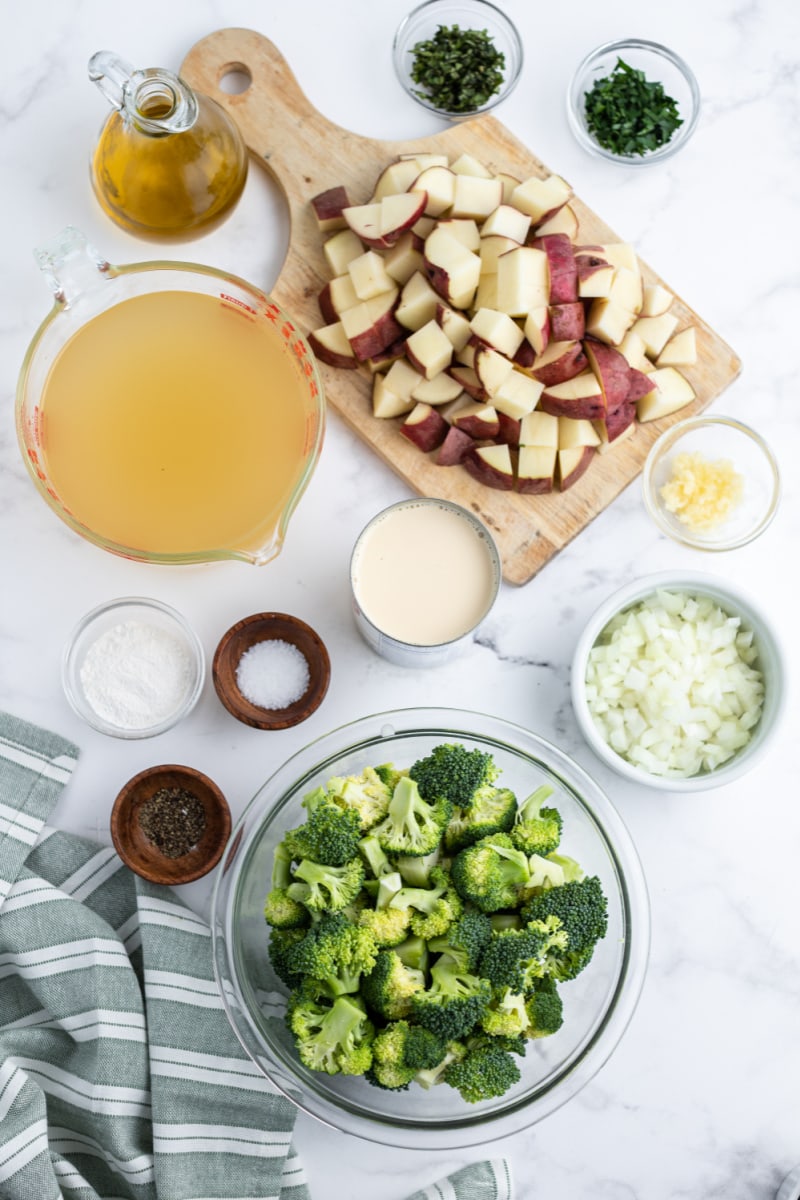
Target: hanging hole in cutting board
<point>235,79</point>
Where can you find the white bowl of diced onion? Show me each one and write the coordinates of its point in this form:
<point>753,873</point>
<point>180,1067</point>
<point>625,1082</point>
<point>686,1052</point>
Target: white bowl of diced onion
<point>678,681</point>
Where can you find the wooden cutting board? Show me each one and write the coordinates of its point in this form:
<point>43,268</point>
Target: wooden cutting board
<point>307,154</point>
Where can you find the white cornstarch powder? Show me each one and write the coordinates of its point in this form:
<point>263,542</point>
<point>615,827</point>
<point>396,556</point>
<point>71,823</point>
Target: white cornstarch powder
<point>272,674</point>
<point>136,675</point>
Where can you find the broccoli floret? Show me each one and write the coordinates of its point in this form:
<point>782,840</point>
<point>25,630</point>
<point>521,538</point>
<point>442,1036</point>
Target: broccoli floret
<point>507,1015</point>
<point>390,985</point>
<point>400,1050</point>
<point>367,794</point>
<point>505,920</point>
<point>454,772</point>
<point>581,907</point>
<point>537,829</point>
<point>389,926</point>
<point>330,835</point>
<point>513,958</point>
<point>412,826</point>
<point>427,1077</point>
<point>376,858</point>
<point>389,774</point>
<point>492,811</point>
<point>544,1008</point>
<point>280,909</point>
<point>416,870</point>
<point>491,873</point>
<point>335,951</point>
<point>467,936</point>
<point>326,889</point>
<point>414,952</point>
<point>434,909</point>
<point>455,1001</point>
<point>334,1036</point>
<point>282,943</point>
<point>485,1071</point>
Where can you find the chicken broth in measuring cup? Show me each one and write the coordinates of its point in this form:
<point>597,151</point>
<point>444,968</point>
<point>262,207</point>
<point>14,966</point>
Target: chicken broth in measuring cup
<point>424,574</point>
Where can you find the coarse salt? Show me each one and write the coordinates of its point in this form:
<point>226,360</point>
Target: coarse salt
<point>272,674</point>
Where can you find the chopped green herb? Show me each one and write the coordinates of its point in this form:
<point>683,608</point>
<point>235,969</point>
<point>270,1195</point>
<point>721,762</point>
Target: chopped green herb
<point>630,114</point>
<point>459,70</point>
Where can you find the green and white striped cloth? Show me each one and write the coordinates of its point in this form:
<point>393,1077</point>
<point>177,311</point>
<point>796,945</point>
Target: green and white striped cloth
<point>120,1077</point>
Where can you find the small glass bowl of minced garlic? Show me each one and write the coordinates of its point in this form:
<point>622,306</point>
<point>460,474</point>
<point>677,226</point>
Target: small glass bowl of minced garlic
<point>711,483</point>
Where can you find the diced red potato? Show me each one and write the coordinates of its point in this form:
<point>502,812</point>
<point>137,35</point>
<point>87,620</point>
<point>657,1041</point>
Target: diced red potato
<point>537,329</point>
<point>491,248</point>
<point>567,322</point>
<point>341,249</point>
<point>402,379</point>
<point>478,420</point>
<point>655,300</point>
<point>390,354</point>
<point>558,362</point>
<point>404,259</point>
<point>455,325</point>
<point>572,464</point>
<point>465,229</point>
<point>336,296</point>
<point>468,164</point>
<point>671,391</point>
<point>680,350</point>
<point>518,395</point>
<point>455,446</point>
<point>536,470</point>
<point>491,466</point>
<point>564,220</point>
<point>397,176</point>
<point>469,382</point>
<point>626,290</point>
<point>613,425</point>
<point>453,271</point>
<point>562,268</point>
<point>607,321</point>
<point>441,389</point>
<point>475,197</point>
<point>580,396</point>
<point>492,368</point>
<point>523,281</point>
<point>331,346</point>
<point>438,183</point>
<point>509,182</point>
<point>429,349</point>
<point>620,254</point>
<point>595,275</point>
<point>329,208</point>
<point>612,370</point>
<point>400,212</point>
<point>639,384</point>
<point>371,325</point>
<point>541,198</point>
<point>539,429</point>
<point>425,427</point>
<point>509,429</point>
<point>497,330</point>
<point>508,222</point>
<point>525,356</point>
<point>655,332</point>
<point>418,302</point>
<point>386,404</point>
<point>369,276</point>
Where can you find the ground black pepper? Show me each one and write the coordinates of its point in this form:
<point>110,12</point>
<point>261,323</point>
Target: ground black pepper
<point>173,819</point>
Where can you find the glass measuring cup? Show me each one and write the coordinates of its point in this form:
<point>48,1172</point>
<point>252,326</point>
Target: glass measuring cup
<point>169,161</point>
<point>167,412</point>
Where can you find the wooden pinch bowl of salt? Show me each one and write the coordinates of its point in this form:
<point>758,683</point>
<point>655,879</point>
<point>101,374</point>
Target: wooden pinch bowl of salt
<point>271,670</point>
<point>193,835</point>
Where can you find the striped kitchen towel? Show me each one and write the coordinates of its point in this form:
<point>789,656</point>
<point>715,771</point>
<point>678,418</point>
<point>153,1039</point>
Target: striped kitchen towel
<point>120,1077</point>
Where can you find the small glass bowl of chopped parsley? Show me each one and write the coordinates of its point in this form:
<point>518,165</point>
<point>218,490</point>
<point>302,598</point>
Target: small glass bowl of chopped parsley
<point>633,102</point>
<point>457,59</point>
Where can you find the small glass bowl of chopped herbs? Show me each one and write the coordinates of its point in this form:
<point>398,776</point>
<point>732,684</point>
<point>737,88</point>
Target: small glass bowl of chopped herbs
<point>457,59</point>
<point>633,102</point>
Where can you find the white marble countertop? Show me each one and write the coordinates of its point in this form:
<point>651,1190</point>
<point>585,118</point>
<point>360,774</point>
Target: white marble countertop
<point>700,1098</point>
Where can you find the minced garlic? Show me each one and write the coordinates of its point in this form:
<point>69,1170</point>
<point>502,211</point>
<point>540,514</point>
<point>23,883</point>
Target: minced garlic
<point>702,493</point>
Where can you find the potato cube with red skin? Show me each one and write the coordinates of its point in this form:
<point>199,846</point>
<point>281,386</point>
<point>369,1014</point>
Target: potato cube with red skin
<point>562,267</point>
<point>607,322</point>
<point>567,322</point>
<point>438,183</point>
<point>469,382</point>
<point>518,395</point>
<point>457,443</point>
<point>611,427</point>
<point>576,431</point>
<point>507,221</point>
<point>429,349</point>
<point>639,384</point>
<point>329,208</point>
<point>537,329</point>
<point>454,324</point>
<point>620,254</point>
<point>399,212</point>
<point>539,429</point>
<point>404,259</point>
<point>475,197</point>
<point>463,228</point>
<point>497,330</point>
<point>368,276</point>
<point>386,404</point>
<point>425,427</point>
<point>509,182</point>
<point>572,464</point>
<point>680,350</point>
<point>655,300</point>
<point>418,302</point>
<point>580,396</point>
<point>371,325</point>
<point>632,347</point>
<point>486,295</point>
<point>364,220</point>
<point>390,354</point>
<point>523,281</point>
<point>440,389</point>
<point>558,362</point>
<point>671,392</point>
<point>509,430</point>
<point>341,249</point>
<point>595,275</point>
<point>626,290</point>
<point>468,164</point>
<point>402,379</point>
<point>452,269</point>
<point>491,466</point>
<point>479,420</point>
<point>396,177</point>
<point>655,332</point>
<point>492,368</point>
<point>525,356</point>
<point>490,250</point>
<point>541,198</point>
<point>331,346</point>
<point>536,470</point>
<point>611,369</point>
<point>563,220</point>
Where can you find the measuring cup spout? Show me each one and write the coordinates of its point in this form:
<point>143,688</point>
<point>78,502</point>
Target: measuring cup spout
<point>71,265</point>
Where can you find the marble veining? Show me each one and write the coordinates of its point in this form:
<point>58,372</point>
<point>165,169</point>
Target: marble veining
<point>699,1100</point>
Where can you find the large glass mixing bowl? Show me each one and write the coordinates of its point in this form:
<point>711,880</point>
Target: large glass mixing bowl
<point>597,1005</point>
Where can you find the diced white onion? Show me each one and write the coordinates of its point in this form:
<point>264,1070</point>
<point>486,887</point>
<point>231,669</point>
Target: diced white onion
<point>673,684</point>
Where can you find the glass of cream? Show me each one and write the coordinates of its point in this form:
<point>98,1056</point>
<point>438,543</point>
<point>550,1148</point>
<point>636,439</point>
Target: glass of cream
<point>424,573</point>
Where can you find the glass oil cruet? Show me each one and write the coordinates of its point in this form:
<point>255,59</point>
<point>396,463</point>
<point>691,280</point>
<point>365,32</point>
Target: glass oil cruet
<point>169,162</point>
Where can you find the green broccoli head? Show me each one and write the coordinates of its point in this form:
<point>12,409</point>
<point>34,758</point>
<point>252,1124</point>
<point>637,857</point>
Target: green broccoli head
<point>537,828</point>
<point>467,937</point>
<point>434,909</point>
<point>389,774</point>
<point>282,943</point>
<point>491,873</point>
<point>329,836</point>
<point>507,1015</point>
<point>513,958</point>
<point>455,1000</point>
<point>283,912</point>
<point>544,1008</point>
<point>412,826</point>
<point>582,908</point>
<point>366,794</point>
<point>492,811</point>
<point>390,986</point>
<point>389,926</point>
<point>414,952</point>
<point>335,951</point>
<point>332,1035</point>
<point>455,773</point>
<point>485,1071</point>
<point>326,889</point>
<point>402,1049</point>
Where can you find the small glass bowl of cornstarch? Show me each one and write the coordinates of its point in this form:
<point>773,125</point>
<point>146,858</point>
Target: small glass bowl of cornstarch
<point>271,670</point>
<point>133,668</point>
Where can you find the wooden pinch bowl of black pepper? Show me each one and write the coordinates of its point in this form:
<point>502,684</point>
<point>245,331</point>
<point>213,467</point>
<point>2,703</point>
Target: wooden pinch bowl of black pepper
<point>187,819</point>
<point>299,662</point>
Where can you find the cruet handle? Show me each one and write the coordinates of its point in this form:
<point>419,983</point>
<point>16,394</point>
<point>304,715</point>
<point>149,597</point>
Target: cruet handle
<point>71,265</point>
<point>111,74</point>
